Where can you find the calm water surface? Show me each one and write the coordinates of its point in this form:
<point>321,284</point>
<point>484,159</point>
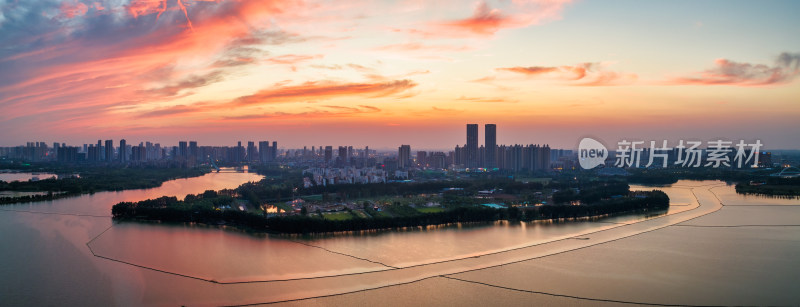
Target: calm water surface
<point>9,177</point>
<point>46,259</point>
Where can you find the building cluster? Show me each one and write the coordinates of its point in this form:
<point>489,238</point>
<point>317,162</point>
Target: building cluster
<point>185,153</point>
<point>490,155</point>
<point>432,159</point>
<point>326,164</point>
<point>330,157</point>
<point>325,176</point>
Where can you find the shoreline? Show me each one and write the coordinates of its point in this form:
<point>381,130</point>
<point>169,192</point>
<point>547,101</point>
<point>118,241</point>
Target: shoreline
<point>83,186</point>
<point>257,232</point>
<point>169,210</point>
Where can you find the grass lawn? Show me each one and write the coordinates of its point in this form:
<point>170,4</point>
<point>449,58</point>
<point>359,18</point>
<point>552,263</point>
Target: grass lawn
<point>430,209</point>
<point>315,197</point>
<point>360,214</point>
<point>337,216</point>
<point>531,179</point>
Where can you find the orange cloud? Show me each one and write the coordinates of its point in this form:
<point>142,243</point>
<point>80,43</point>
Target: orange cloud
<point>486,21</point>
<point>325,90</point>
<point>486,99</point>
<point>323,112</point>
<point>586,74</point>
<point>533,70</point>
<point>292,59</point>
<point>726,72</point>
<point>408,47</point>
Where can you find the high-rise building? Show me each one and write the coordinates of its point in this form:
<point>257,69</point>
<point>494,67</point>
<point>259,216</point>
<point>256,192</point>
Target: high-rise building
<point>109,151</point>
<point>67,154</point>
<point>252,152</point>
<point>122,148</point>
<point>438,160</point>
<point>404,156</point>
<point>100,151</point>
<point>137,153</point>
<point>239,152</point>
<point>183,150</point>
<point>328,154</point>
<point>264,152</point>
<point>472,146</point>
<point>149,152</point>
<point>343,159</point>
<point>193,150</point>
<point>56,146</point>
<point>422,158</point>
<point>528,157</point>
<point>459,156</point>
<point>491,146</point>
<point>274,151</point>
<point>91,153</point>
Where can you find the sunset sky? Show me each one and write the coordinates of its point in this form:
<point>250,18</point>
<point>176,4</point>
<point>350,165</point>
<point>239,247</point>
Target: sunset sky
<point>398,72</point>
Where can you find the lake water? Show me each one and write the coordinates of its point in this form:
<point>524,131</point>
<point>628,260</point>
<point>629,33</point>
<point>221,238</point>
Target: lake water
<point>9,177</point>
<point>711,247</point>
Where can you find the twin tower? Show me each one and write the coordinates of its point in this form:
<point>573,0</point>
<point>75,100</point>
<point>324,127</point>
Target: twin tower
<point>472,155</point>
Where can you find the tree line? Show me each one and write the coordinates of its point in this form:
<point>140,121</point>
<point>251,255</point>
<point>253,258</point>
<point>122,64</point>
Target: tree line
<point>203,208</point>
<point>771,186</point>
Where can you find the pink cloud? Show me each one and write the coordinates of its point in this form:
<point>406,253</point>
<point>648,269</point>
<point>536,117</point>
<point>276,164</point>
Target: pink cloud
<point>411,47</point>
<point>726,72</point>
<point>533,70</point>
<point>73,9</point>
<point>138,8</point>
<point>584,74</point>
<point>132,60</point>
<point>486,21</point>
<point>292,59</point>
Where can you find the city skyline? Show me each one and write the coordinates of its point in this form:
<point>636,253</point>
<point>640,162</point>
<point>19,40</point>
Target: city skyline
<point>382,73</point>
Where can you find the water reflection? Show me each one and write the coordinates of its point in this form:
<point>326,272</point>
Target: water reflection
<point>14,176</point>
<point>47,261</point>
<point>44,253</point>
<point>101,203</point>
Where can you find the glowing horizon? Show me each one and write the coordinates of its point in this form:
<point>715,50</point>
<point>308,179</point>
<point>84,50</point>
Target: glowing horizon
<point>398,72</point>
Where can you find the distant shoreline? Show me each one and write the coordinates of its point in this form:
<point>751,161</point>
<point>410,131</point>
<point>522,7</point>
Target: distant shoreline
<point>772,187</point>
<point>94,180</point>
